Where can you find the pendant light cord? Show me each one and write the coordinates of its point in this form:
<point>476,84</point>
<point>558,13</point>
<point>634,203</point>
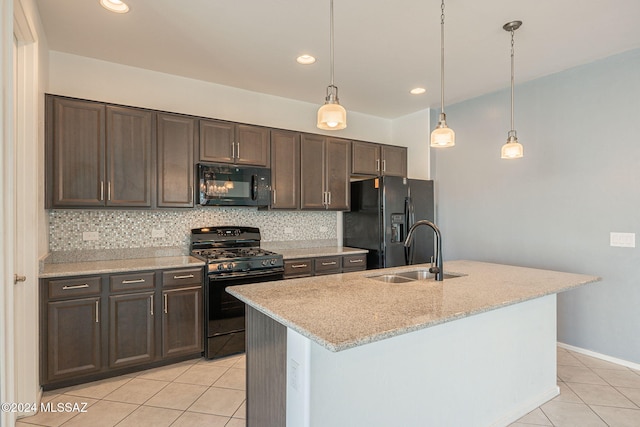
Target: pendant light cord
<point>331,42</point>
<point>512,67</point>
<point>441,57</point>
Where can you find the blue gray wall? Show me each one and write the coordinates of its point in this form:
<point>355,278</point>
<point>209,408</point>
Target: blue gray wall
<point>554,209</point>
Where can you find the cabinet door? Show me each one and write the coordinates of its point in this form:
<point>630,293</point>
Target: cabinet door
<point>338,163</point>
<point>312,172</point>
<point>394,161</point>
<point>73,338</point>
<point>129,169</point>
<point>252,145</point>
<point>215,141</point>
<point>365,158</point>
<point>182,321</point>
<point>75,153</point>
<point>131,330</point>
<point>285,170</point>
<point>175,139</point>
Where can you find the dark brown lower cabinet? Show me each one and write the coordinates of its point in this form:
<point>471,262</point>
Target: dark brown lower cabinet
<point>131,329</point>
<point>73,338</point>
<point>95,327</point>
<point>182,321</point>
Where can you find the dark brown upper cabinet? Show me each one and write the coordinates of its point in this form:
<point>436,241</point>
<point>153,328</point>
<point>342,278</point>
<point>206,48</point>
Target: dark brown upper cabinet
<point>176,137</point>
<point>225,142</point>
<point>285,169</point>
<point>378,160</point>
<point>97,155</point>
<point>325,163</point>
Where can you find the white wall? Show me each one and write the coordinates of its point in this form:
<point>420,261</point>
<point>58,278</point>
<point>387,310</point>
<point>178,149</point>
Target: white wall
<point>555,207</point>
<point>414,131</point>
<point>88,78</point>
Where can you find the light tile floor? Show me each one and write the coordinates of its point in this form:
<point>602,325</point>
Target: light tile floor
<point>212,393</point>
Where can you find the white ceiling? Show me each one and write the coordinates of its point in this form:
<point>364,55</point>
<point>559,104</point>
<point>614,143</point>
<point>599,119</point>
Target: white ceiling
<point>382,48</point>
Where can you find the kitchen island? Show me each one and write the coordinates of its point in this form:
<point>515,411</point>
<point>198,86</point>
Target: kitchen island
<point>352,350</point>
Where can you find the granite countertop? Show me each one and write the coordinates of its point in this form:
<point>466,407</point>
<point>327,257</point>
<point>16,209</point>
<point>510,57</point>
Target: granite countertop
<point>342,311</point>
<point>313,252</point>
<point>117,266</point>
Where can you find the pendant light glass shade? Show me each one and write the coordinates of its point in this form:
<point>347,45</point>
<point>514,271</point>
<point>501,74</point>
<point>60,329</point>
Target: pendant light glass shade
<point>512,149</point>
<point>332,115</point>
<point>442,136</point>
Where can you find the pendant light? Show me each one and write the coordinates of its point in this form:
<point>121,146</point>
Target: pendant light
<point>332,115</point>
<point>512,149</point>
<point>442,136</point>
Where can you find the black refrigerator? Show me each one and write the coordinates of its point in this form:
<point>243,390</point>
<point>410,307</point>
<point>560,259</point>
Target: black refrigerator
<point>382,210</point>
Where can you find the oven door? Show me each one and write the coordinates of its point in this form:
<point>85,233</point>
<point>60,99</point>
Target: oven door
<point>225,313</point>
<point>229,185</point>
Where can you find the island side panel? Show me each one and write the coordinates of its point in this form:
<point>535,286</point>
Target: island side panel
<point>483,370</point>
<point>266,354</point>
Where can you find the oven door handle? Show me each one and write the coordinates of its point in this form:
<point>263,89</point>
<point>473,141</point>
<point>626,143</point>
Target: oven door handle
<point>246,274</point>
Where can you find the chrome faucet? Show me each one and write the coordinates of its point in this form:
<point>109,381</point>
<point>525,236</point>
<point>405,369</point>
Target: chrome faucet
<point>407,243</point>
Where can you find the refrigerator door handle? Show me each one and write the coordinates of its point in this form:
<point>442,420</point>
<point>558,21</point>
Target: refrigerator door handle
<point>407,225</point>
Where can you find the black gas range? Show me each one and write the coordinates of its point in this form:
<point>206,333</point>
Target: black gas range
<point>233,257</point>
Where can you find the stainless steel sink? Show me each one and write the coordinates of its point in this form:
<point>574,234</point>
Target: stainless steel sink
<point>391,278</point>
<point>424,275</point>
<point>410,276</point>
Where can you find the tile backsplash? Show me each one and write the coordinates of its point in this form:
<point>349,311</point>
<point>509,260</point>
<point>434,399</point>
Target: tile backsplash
<point>123,229</point>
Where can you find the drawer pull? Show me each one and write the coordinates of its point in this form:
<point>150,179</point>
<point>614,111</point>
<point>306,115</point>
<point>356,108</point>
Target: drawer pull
<point>355,261</point>
<point>70,287</point>
<point>97,311</point>
<point>127,282</point>
<point>188,276</point>
<point>329,263</point>
<point>151,303</point>
<point>166,305</point>
<point>299,265</point>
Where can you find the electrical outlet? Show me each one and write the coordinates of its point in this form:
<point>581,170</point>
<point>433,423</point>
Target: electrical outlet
<point>623,240</point>
<point>288,230</point>
<point>90,235</point>
<point>157,232</point>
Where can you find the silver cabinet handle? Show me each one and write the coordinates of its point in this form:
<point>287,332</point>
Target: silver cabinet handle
<point>378,165</point>
<point>329,263</point>
<point>109,191</point>
<point>166,304</point>
<point>238,150</point>
<point>97,311</point>
<point>126,282</point>
<point>355,261</point>
<point>101,190</point>
<point>384,166</point>
<point>151,304</point>
<point>274,196</point>
<point>298,265</point>
<point>70,287</point>
<point>233,150</point>
<point>187,276</point>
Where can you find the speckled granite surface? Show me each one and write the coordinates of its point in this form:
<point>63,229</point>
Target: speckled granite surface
<point>294,253</point>
<point>342,311</point>
<point>117,266</point>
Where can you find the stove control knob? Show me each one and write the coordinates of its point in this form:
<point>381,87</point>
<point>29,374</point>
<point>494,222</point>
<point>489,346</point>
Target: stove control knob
<point>220,267</point>
<point>273,261</point>
<point>265,262</point>
<point>230,266</point>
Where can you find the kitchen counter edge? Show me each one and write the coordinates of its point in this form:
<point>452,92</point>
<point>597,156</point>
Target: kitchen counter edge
<point>86,268</point>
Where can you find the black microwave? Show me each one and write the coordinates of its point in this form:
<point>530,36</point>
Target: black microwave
<point>233,185</point>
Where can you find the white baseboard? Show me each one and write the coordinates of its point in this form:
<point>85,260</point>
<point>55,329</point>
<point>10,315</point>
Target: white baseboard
<point>600,356</point>
<point>527,407</point>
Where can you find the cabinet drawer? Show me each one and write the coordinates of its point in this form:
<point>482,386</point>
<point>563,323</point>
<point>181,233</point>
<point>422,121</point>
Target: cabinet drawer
<point>327,265</point>
<point>298,267</point>
<point>79,286</point>
<point>354,262</point>
<point>131,282</point>
<point>191,276</point>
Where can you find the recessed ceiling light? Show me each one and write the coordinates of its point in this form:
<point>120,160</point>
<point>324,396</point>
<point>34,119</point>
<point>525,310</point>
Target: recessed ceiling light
<point>116,6</point>
<point>418,91</point>
<point>305,59</point>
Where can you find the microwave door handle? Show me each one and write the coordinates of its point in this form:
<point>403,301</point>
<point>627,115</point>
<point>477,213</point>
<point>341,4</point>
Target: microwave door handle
<point>254,187</point>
